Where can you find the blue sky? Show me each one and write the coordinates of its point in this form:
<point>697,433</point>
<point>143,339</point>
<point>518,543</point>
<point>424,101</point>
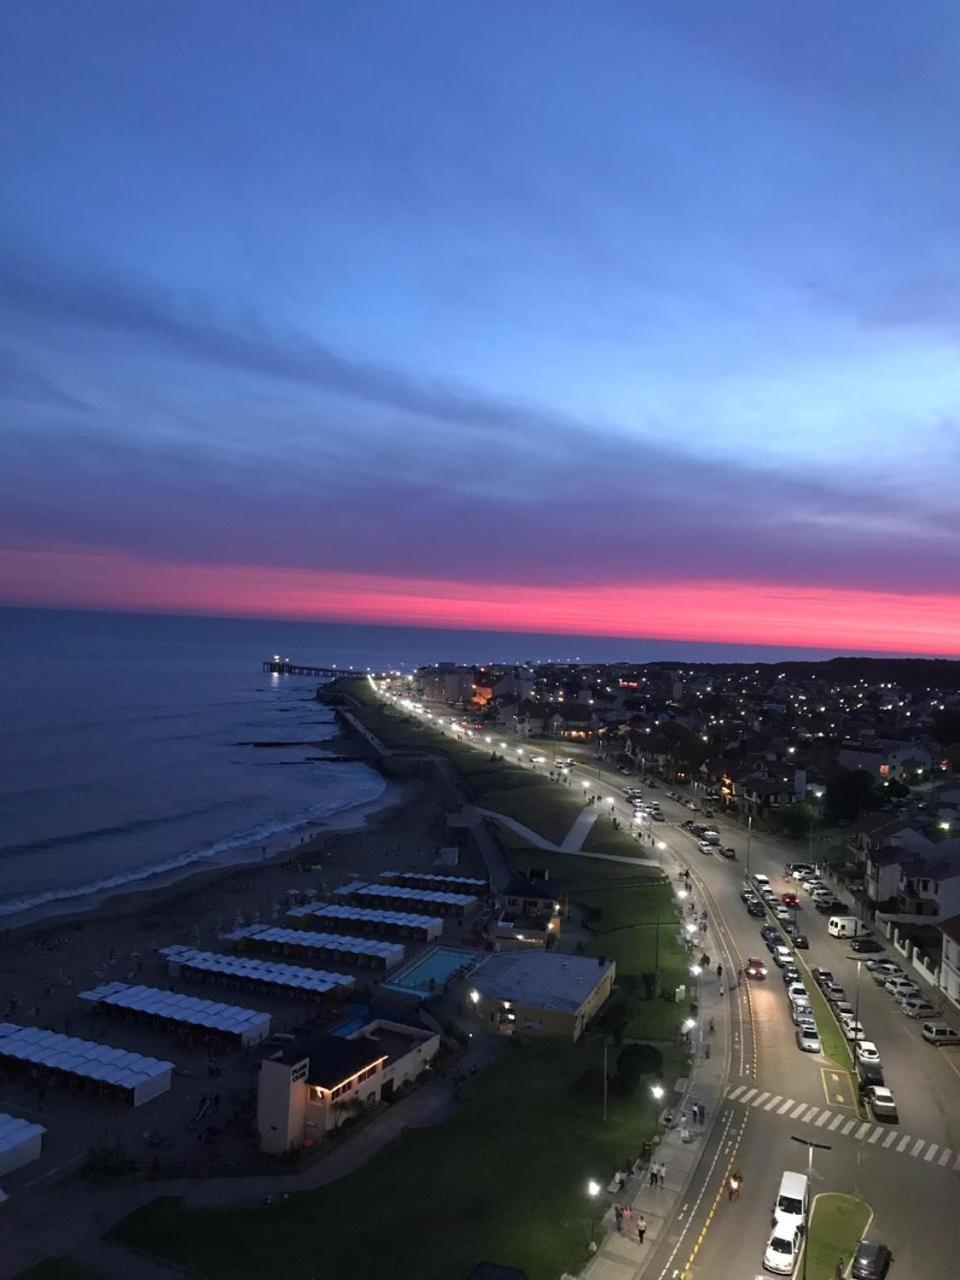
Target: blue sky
<point>684,276</point>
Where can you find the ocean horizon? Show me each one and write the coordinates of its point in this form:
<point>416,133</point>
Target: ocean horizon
<point>126,746</point>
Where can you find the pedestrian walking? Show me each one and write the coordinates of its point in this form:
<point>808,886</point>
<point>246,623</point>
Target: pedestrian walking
<point>703,928</point>
<point>641,1228</point>
<point>710,1026</point>
<point>838,1273</point>
<point>618,1216</point>
<point>719,970</point>
<point>653,1174</point>
<point>701,1113</point>
<point>662,1174</point>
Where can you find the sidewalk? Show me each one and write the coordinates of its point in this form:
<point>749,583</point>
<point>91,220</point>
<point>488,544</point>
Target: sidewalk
<point>621,1256</point>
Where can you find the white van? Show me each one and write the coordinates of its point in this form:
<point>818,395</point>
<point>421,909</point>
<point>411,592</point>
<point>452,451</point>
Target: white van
<point>792,1202</point>
<point>844,927</point>
<point>939,1033</point>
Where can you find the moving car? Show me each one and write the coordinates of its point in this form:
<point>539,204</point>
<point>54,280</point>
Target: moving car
<point>829,906</point>
<point>790,900</point>
<point>704,847</point>
<point>783,1247</point>
<point>756,908</point>
<point>807,1038</point>
<point>728,851</point>
<point>882,1103</point>
<point>755,968</point>
<point>866,1051</point>
<point>870,1262</point>
<point>844,927</point>
<point>866,944</point>
<point>799,870</point>
<point>939,1033</point>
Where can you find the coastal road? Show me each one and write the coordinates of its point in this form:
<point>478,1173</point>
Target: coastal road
<point>908,1172</point>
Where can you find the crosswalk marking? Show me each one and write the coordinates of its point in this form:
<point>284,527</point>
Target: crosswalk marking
<point>848,1126</point>
<point>934,1148</point>
<point>904,1142</point>
<point>956,1163</point>
<point>786,1106</point>
<point>748,1095</point>
<point>891,1138</point>
<point>945,1158</point>
<point>760,1097</point>
<point>800,1108</point>
<point>822,1120</point>
<point>735,1092</point>
<point>875,1135</point>
<point>773,1102</point>
<point>918,1146</point>
<point>835,1123</point>
<point>810,1114</point>
<point>862,1130</point>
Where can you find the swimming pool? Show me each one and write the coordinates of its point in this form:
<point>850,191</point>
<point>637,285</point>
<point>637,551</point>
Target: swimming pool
<point>438,965</point>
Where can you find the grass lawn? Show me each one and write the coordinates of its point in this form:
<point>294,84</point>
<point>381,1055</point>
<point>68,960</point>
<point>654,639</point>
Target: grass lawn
<point>836,1227</point>
<point>568,869</point>
<point>503,1181</point>
<point>604,837</point>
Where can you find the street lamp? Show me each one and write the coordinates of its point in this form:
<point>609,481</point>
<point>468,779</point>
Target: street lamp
<point>658,1091</point>
<point>593,1189</point>
<point>585,784</point>
<point>856,998</point>
<point>811,1146</point>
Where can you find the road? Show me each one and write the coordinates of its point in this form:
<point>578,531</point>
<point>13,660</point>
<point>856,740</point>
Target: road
<point>909,1172</point>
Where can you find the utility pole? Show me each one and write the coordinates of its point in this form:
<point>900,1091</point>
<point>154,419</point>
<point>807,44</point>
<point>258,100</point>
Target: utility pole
<point>749,836</point>
<point>605,1042</point>
<point>856,1010</point>
<point>811,1146</point>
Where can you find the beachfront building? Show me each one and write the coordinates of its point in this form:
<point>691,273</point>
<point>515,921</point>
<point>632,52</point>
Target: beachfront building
<point>539,992</point>
<point>528,915</point>
<point>366,952</point>
<point>20,1143</point>
<point>337,917</point>
<point>101,1068</point>
<point>290,980</point>
<point>364,893</point>
<point>312,1086</point>
<point>207,1019</point>
<point>435,880</point>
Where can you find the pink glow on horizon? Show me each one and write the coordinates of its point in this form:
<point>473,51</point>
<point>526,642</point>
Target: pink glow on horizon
<point>709,612</point>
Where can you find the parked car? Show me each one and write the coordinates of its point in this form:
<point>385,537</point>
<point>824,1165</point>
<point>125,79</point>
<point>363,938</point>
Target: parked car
<point>801,941</point>
<point>790,974</point>
<point>902,988</point>
<point>870,1262</point>
<point>801,1011</point>
<point>917,1007</point>
<point>882,1103</point>
<point>939,1033</point>
<point>820,976</point>
<point>796,990</point>
<point>854,1030</point>
<point>832,990</point>
<point>756,908</point>
<point>864,945</point>
<point>883,972</point>
<point>782,956</point>
<point>782,913</point>
<point>866,1051</point>
<point>842,1009</point>
<point>704,847</point>
<point>783,1248</point>
<point>807,1038</point>
<point>769,931</point>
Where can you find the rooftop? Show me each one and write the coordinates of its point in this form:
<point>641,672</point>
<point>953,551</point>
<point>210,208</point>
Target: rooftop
<point>333,1059</point>
<point>547,979</point>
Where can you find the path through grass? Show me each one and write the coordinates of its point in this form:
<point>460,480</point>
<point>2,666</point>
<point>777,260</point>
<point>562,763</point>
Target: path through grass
<point>837,1224</point>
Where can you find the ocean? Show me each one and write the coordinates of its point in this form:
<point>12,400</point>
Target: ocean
<point>125,745</point>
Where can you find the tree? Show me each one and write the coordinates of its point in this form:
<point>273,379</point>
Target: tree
<point>946,727</point>
<point>795,819</point>
<point>849,793</point>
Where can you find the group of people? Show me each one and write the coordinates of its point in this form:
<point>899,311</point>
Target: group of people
<point>623,1213</point>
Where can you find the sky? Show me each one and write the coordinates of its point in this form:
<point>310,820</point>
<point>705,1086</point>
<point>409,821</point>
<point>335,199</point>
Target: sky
<point>613,318</point>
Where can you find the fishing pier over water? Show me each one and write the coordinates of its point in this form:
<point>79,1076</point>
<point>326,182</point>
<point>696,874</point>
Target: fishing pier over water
<point>284,667</point>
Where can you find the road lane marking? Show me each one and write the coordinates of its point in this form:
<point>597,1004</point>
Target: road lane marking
<point>810,1114</point>
<point>848,1126</point>
<point>875,1135</point>
<point>934,1148</point>
<point>748,1095</point>
<point>822,1120</point>
<point>736,1092</point>
<point>918,1146</point>
<point>790,1102</point>
<point>836,1123</point>
<point>773,1102</point>
<point>802,1107</point>
<point>862,1130</point>
<point>904,1142</point>
<point>945,1158</point>
<point>760,1097</point>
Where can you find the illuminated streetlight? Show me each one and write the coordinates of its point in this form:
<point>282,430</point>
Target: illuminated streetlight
<point>593,1188</point>
<point>691,928</point>
<point>658,1091</point>
<point>689,1025</point>
<point>696,970</point>
<point>584,784</point>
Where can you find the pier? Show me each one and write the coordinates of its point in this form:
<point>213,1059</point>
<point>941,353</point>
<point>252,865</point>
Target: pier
<point>284,667</point>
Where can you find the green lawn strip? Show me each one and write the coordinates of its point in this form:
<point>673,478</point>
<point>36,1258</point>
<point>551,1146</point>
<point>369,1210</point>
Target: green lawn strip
<point>837,1224</point>
<point>504,1180</point>
<point>567,869</point>
<point>626,931</point>
<point>604,837</point>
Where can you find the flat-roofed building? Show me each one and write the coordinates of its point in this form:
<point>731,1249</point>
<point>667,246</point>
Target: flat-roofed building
<point>374,894</point>
<point>539,992</point>
<point>340,917</point>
